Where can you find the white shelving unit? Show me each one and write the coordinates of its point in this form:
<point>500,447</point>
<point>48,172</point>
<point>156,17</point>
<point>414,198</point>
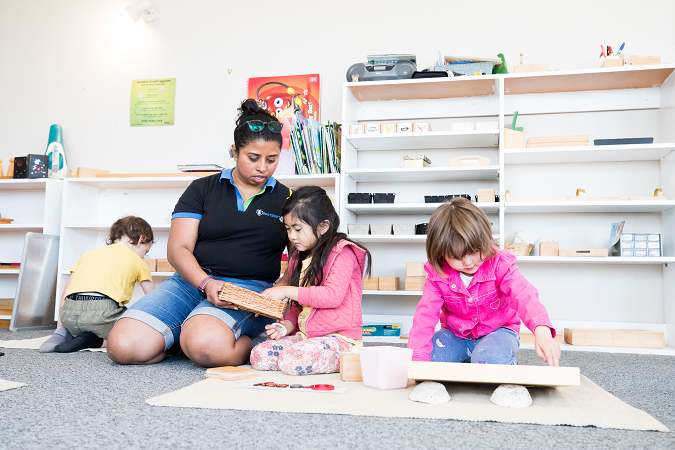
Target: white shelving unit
<point>35,206</point>
<point>611,292</point>
<point>92,205</point>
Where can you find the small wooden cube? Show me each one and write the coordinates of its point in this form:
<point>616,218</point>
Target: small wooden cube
<point>372,128</point>
<point>371,283</point>
<point>549,248</point>
<point>513,138</point>
<point>486,195</point>
<point>164,266</point>
<point>415,269</point>
<point>406,127</point>
<point>388,283</point>
<point>388,128</point>
<point>415,283</point>
<point>356,129</point>
<point>152,264</point>
<point>421,127</point>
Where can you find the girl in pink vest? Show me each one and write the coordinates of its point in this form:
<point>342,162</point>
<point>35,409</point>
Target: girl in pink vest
<point>323,282</point>
<point>478,293</point>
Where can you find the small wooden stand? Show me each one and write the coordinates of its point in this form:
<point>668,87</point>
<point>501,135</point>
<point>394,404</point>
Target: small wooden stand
<point>350,367</point>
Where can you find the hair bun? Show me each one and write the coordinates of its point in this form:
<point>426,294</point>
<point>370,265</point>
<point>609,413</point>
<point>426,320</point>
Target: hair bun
<point>249,107</point>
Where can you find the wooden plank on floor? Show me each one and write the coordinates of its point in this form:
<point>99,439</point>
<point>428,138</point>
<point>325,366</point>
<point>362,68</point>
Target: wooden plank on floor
<point>495,374</point>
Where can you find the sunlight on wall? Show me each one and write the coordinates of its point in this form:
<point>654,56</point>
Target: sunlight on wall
<point>127,37</point>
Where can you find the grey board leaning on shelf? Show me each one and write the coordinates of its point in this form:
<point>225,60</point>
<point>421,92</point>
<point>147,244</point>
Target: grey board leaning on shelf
<point>35,297</point>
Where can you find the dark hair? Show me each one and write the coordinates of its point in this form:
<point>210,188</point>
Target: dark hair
<point>312,205</point>
<point>457,229</point>
<point>249,110</point>
<point>132,227</point>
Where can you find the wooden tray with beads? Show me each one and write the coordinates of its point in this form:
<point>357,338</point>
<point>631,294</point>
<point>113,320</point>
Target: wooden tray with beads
<point>253,302</point>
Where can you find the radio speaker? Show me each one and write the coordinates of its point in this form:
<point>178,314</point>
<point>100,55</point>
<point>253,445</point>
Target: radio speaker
<point>368,72</point>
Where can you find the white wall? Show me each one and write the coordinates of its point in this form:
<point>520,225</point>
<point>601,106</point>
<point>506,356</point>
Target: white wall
<point>58,63</point>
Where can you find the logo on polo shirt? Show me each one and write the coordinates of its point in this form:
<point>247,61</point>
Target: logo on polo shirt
<point>260,212</point>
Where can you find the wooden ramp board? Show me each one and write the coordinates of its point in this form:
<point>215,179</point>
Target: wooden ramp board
<point>494,373</point>
<point>615,338</point>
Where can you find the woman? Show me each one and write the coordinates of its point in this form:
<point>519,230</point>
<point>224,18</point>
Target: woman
<point>225,228</point>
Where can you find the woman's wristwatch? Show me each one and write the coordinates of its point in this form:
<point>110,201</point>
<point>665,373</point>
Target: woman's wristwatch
<point>203,284</point>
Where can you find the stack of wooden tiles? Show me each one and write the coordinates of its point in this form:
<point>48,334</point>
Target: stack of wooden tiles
<point>558,141</point>
<point>380,283</point>
<point>415,276</point>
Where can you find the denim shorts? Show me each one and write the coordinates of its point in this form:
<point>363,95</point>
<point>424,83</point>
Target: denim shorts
<point>174,301</point>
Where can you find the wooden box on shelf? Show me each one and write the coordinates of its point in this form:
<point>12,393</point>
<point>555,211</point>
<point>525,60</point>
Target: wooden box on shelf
<point>356,129</point>
<point>486,195</point>
<point>513,138</point>
<point>388,283</point>
<point>549,248</point>
<point>415,283</point>
<point>371,283</point>
<point>612,62</point>
<point>164,266</point>
<point>583,252</point>
<point>415,269</point>
<point>152,264</point>
<point>615,338</point>
<point>558,141</point>
<point>642,60</point>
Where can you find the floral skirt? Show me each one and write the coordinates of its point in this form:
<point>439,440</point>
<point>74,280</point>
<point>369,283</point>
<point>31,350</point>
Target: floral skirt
<point>295,356</point>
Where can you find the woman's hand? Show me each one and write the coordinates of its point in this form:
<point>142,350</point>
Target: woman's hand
<point>276,330</point>
<point>547,348</point>
<point>275,292</point>
<point>212,290</point>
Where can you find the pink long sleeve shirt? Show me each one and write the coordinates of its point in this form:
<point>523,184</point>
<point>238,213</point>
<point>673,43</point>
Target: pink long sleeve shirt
<point>336,302</point>
<point>498,296</point>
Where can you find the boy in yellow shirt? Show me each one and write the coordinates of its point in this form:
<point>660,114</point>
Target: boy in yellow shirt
<point>100,284</point>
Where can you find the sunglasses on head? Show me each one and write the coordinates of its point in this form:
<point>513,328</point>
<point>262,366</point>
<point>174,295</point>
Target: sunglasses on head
<point>258,125</point>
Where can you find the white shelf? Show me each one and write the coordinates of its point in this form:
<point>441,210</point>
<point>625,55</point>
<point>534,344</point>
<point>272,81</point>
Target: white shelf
<point>424,89</point>
<point>388,239</point>
<point>592,348</point>
<point>5,317</point>
<point>23,184</point>
<point>9,271</point>
<point>397,293</point>
<point>595,260</point>
<point>323,180</point>
<point>428,140</point>
<point>597,153</point>
<point>425,174</point>
<point>584,206</point>
<point>106,227</point>
<point>22,227</point>
<point>409,208</point>
<point>162,274</point>
<point>385,340</point>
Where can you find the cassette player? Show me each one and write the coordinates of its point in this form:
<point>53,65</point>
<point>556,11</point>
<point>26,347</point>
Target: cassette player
<point>378,72</point>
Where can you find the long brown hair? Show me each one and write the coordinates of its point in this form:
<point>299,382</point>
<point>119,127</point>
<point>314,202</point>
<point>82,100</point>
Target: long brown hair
<point>457,229</point>
<point>312,205</point>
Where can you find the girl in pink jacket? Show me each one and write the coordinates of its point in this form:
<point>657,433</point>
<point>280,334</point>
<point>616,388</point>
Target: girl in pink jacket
<point>478,294</point>
<point>324,274</point>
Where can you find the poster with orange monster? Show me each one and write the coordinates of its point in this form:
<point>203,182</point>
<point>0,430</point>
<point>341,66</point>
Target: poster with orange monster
<point>280,95</point>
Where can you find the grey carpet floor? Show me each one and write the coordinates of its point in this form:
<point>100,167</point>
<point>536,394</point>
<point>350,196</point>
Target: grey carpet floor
<point>84,400</point>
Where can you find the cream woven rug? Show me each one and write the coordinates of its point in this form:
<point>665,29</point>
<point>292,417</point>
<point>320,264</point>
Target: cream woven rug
<point>586,405</point>
<point>5,385</point>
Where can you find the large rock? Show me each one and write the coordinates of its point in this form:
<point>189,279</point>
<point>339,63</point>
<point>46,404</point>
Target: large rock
<point>430,392</point>
<point>512,395</point>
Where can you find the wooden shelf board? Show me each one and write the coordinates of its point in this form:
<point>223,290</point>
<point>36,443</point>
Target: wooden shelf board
<point>397,293</point>
<point>409,208</point>
<point>323,180</point>
<point>425,174</point>
<point>595,260</point>
<point>5,317</point>
<point>431,139</point>
<point>24,184</point>
<point>583,206</point>
<point>106,227</point>
<point>22,227</point>
<point>599,153</point>
<point>633,77</point>
<point>424,89</point>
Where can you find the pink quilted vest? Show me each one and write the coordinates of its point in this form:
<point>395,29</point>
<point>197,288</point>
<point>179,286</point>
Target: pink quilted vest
<point>337,301</point>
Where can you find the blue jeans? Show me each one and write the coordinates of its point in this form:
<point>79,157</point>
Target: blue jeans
<point>498,347</point>
<point>175,300</point>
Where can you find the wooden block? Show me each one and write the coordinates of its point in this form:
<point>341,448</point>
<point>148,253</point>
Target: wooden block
<point>84,172</point>
<point>356,129</point>
<point>388,283</point>
<point>468,160</point>
<point>230,373</point>
<point>415,269</point>
<point>528,338</point>
<point>611,62</point>
<point>615,338</point>
<point>521,68</point>
<point>284,266</point>
<point>164,266</point>
<point>6,221</point>
<point>415,283</point>
<point>558,141</point>
<point>486,195</point>
<point>152,264</point>
<point>642,60</point>
<point>549,249</point>
<point>350,367</point>
<point>513,138</point>
<point>583,252</point>
<point>388,128</point>
<point>371,283</point>
<point>404,127</point>
<point>494,374</point>
<point>372,128</point>
<point>421,127</point>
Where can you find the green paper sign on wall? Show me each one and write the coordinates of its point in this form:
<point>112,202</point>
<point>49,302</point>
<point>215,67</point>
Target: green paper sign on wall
<point>152,102</point>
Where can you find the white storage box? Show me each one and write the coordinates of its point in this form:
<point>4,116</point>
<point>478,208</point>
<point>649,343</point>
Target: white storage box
<point>385,367</point>
<point>380,228</point>
<point>414,161</point>
<point>482,126</point>
<point>404,228</point>
<point>358,228</point>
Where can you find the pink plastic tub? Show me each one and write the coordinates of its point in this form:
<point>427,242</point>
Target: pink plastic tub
<point>385,367</point>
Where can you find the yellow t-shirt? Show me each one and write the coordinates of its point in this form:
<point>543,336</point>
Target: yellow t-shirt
<point>307,310</point>
<point>112,270</point>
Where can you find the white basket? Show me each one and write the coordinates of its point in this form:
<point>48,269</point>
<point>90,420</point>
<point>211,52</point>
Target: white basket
<point>404,228</point>
<point>358,228</point>
<point>380,228</point>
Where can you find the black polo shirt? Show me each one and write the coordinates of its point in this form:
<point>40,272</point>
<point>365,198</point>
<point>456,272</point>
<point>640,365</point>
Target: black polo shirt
<point>236,240</point>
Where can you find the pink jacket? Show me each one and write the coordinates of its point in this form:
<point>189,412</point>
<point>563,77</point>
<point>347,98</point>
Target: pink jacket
<point>337,301</point>
<point>498,296</point>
